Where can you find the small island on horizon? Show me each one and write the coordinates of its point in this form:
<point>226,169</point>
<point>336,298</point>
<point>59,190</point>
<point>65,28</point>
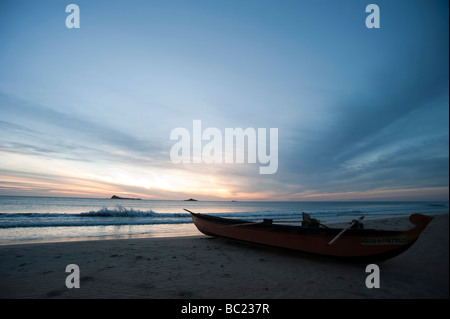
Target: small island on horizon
<point>118,197</point>
<point>191,200</point>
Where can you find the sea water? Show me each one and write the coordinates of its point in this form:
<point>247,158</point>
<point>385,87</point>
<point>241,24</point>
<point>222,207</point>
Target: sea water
<point>57,218</point>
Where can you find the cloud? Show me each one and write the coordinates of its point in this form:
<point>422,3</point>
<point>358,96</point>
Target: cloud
<point>393,133</point>
<point>29,128</point>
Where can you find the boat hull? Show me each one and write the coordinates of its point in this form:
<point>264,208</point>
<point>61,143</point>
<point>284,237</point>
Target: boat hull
<point>355,244</point>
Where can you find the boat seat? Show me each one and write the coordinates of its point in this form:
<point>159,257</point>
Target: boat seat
<point>309,222</point>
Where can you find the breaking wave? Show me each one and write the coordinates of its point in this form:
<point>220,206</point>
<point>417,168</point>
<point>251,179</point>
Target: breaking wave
<point>102,217</point>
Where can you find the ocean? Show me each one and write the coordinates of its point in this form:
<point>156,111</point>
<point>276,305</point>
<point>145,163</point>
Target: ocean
<point>26,218</point>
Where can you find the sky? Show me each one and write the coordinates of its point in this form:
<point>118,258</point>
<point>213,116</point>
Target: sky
<point>362,113</point>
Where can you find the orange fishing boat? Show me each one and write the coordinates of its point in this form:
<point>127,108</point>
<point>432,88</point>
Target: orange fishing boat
<point>352,243</point>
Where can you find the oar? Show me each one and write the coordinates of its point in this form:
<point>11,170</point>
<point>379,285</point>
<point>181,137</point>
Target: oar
<point>255,223</point>
<point>286,221</point>
<point>345,229</point>
<point>294,221</point>
<point>188,211</point>
<point>273,221</point>
<point>240,224</point>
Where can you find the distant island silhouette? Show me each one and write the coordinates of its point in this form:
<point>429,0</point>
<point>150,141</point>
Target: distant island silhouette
<point>118,197</point>
<point>190,200</point>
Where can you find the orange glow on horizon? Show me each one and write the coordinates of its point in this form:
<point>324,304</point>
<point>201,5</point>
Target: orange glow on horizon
<point>64,178</point>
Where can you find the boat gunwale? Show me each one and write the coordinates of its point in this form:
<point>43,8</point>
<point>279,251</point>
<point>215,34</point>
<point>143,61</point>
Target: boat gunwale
<point>298,229</point>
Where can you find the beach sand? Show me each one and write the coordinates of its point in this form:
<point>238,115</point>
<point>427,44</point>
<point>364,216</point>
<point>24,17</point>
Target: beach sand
<point>204,267</point>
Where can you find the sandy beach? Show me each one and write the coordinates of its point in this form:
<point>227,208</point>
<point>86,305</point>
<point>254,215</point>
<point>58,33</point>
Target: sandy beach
<point>197,267</point>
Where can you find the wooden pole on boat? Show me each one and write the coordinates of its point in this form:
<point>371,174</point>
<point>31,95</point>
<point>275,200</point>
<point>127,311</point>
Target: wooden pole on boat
<point>251,223</point>
<point>295,221</point>
<point>241,224</point>
<point>345,229</point>
<point>234,225</point>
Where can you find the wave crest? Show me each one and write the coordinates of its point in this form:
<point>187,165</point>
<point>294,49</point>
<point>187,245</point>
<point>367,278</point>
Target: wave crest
<point>119,211</point>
